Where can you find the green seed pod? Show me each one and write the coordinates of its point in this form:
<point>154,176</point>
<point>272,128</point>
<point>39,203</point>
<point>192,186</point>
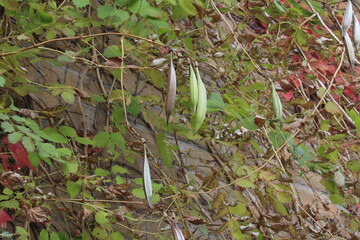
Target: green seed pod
<point>194,92</point>
<point>276,103</point>
<point>202,102</point>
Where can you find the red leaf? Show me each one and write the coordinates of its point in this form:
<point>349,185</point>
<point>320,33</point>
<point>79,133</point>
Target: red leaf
<point>350,92</point>
<point>18,152</point>
<point>288,95</point>
<point>4,218</point>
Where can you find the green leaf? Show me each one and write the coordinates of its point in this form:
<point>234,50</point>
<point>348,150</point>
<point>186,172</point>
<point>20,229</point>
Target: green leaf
<point>120,16</point>
<point>188,7</point>
<point>7,127</point>
<point>239,209</point>
<point>116,236</point>
<point>102,139</point>
<point>68,97</point>
<point>105,11</point>
<point>99,233</point>
<point>67,131</point>
<point>332,108</point>
<point>34,158</point>
<point>215,102</point>
<point>336,198</point>
<point>139,193</point>
<point>15,137</point>
<point>44,235</point>
<point>283,197</point>
<point>101,172</point>
<point>14,204</point>
<point>117,169</point>
<point>245,183</point>
<point>133,108</point>
<point>278,138</point>
<point>81,3</point>
<point>280,207</point>
<point>164,149</point>
<point>354,165</point>
<point>43,17</point>
<point>70,167</point>
<point>73,188</point>
<point>68,56</point>
<point>54,236</point>
<point>53,135</point>
<point>118,139</point>
<point>2,81</point>
<point>112,51</point>
<point>85,141</point>
<point>101,217</point>
<point>28,143</point>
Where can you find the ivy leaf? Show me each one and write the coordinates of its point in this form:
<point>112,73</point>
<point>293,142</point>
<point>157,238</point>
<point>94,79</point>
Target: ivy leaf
<point>73,188</point>
<point>81,3</point>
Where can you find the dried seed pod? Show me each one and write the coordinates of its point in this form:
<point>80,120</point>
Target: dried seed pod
<point>276,103</point>
<point>356,32</point>
<point>350,50</point>
<point>147,178</point>
<point>202,102</point>
<point>171,94</point>
<point>194,92</point>
<point>347,18</point>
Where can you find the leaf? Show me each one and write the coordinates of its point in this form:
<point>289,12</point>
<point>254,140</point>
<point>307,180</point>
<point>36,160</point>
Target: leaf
<point>68,56</point>
<point>288,95</point>
<point>133,108</point>
<point>116,236</point>
<point>68,97</point>
<point>73,188</point>
<point>84,140</point>
<point>2,81</point>
<point>215,102</point>
<point>239,209</point>
<point>336,199</point>
<point>354,165</point>
<point>245,183</point>
<point>44,235</point>
<point>99,233</point>
<point>81,3</point>
<point>112,51</point>
<point>164,149</point>
<point>4,218</point>
<point>53,135</point>
<point>101,172</point>
<point>101,217</point>
<point>171,94</point>
<point>18,152</point>
<point>331,107</point>
<point>117,169</point>
<point>13,204</point>
<point>105,11</point>
<point>147,178</point>
<point>34,159</point>
<point>347,18</point>
<point>67,131</point>
<point>188,7</point>
<point>7,127</point>
<point>139,193</point>
<point>280,207</point>
<point>54,236</point>
<point>102,139</point>
<point>15,137</point>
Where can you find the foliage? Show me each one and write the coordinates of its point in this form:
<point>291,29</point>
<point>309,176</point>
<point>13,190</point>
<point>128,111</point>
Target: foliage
<point>282,109</point>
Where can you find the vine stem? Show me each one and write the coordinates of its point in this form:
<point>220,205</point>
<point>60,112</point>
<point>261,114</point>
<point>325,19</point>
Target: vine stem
<point>80,38</point>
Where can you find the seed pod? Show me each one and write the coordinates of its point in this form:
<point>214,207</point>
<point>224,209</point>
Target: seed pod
<point>350,50</point>
<point>202,102</point>
<point>356,32</point>
<point>347,18</point>
<point>171,94</point>
<point>276,103</point>
<point>194,93</point>
<point>147,178</point>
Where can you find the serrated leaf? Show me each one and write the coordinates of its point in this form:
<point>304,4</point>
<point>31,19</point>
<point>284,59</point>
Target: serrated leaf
<point>53,135</point>
<point>84,140</point>
<point>101,217</point>
<point>14,204</point>
<point>99,233</point>
<point>101,172</point>
<point>44,235</point>
<point>139,193</point>
<point>188,7</point>
<point>245,183</point>
<point>28,143</point>
<point>117,169</point>
<point>102,139</point>
<point>81,3</point>
<point>68,97</point>
<point>283,197</point>
<point>354,165</point>
<point>7,127</point>
<point>67,131</point>
<point>54,236</point>
<point>280,207</point>
<point>73,188</point>
<point>164,149</point>
<point>15,137</point>
<point>105,11</point>
<point>239,209</point>
<point>112,51</point>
